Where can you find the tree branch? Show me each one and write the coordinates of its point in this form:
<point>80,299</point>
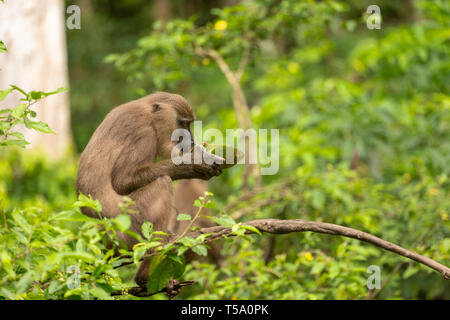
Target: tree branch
<point>172,289</point>
<point>239,101</point>
<point>243,63</point>
<point>275,226</point>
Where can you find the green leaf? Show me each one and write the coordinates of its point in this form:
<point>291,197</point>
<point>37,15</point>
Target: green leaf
<point>101,294</point>
<point>198,203</point>
<point>317,268</point>
<point>70,215</point>
<point>187,241</point>
<point>4,93</point>
<point>251,228</point>
<point>166,268</point>
<point>122,221</point>
<point>59,90</point>
<point>5,111</point>
<point>8,294</point>
<point>74,292</point>
<point>223,220</point>
<point>80,245</point>
<point>147,229</point>
<point>138,252</point>
<point>210,204</point>
<point>27,123</point>
<point>18,143</point>
<point>160,233</point>
<point>19,110</point>
<point>36,95</point>
<point>5,125</point>
<point>41,126</point>
<point>180,265</point>
<point>84,201</point>
<point>182,249</point>
<point>21,221</point>
<point>18,135</point>
<point>183,217</point>
<point>201,250</point>
<point>2,45</point>
<point>55,286</point>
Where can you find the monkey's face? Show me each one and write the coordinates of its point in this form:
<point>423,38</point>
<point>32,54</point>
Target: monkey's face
<point>172,117</point>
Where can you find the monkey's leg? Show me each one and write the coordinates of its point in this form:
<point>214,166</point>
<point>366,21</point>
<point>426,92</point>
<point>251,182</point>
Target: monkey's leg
<point>155,203</point>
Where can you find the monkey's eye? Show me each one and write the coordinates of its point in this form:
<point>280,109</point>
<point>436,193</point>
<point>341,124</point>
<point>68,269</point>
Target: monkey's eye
<point>156,107</point>
<point>185,124</point>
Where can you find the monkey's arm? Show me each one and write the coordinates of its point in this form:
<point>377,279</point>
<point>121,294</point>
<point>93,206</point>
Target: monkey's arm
<point>126,177</point>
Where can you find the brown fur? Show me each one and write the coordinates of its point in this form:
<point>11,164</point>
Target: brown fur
<point>186,192</point>
<point>120,159</point>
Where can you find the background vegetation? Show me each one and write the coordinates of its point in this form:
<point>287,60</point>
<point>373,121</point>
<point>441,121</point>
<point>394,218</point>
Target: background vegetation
<point>364,119</point>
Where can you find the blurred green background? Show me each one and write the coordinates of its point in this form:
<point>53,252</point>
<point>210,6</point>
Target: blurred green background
<point>340,93</point>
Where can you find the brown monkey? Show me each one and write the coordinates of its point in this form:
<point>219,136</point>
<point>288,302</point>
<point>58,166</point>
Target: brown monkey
<point>120,159</point>
<point>186,192</point>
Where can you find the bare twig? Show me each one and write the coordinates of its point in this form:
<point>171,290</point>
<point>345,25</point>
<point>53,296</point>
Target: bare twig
<point>240,104</point>
<point>243,63</point>
<point>275,226</point>
<point>172,288</point>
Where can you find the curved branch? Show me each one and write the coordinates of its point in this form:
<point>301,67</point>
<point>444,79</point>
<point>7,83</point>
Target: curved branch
<point>275,226</point>
<point>240,104</point>
<point>239,100</point>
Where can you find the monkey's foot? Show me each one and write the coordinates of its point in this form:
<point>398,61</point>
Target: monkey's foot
<point>173,288</point>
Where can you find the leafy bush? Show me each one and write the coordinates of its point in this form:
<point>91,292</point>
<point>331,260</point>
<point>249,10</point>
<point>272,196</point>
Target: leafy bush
<point>339,94</point>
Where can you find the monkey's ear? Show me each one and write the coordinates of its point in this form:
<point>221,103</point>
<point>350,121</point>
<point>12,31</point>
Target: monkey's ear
<point>156,107</point>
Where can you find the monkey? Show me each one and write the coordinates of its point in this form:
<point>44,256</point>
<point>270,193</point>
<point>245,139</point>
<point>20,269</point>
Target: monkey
<point>120,159</point>
<point>186,192</point>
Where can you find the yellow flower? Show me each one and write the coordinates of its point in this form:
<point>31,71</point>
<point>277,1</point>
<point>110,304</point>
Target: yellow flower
<point>358,65</point>
<point>220,25</point>
<point>406,178</point>
<point>444,216</point>
<point>434,192</point>
<point>234,297</point>
<point>293,67</point>
<point>308,256</point>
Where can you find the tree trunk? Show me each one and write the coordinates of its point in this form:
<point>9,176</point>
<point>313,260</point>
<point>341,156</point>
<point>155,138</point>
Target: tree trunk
<point>34,33</point>
<point>162,10</point>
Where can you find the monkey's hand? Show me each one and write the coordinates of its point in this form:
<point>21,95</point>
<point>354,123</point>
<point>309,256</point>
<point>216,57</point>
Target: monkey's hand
<point>204,167</point>
<point>173,288</point>
<point>207,171</point>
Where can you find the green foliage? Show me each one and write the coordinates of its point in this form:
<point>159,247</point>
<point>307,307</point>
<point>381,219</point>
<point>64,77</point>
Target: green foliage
<point>55,256</point>
<point>173,52</point>
<point>21,114</point>
<point>32,180</point>
<point>412,213</point>
<point>67,255</point>
<point>335,89</point>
